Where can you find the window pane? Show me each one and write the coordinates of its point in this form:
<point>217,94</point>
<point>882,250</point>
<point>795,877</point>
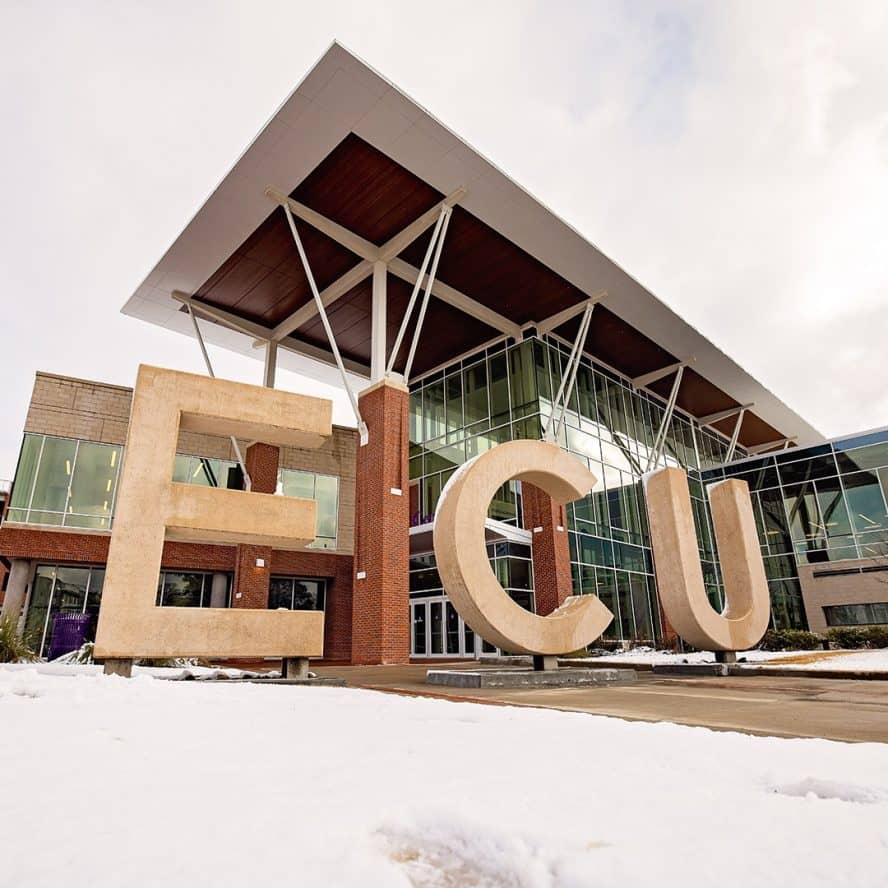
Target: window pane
<point>181,589</point>
<point>433,410</point>
<point>452,629</point>
<point>54,475</point>
<point>300,484</point>
<point>327,495</point>
<point>94,600</point>
<point>832,508</point>
<point>419,628</point>
<point>499,390</point>
<point>437,621</point>
<point>27,469</point>
<point>475,393</point>
<point>453,392</point>
<point>93,483</point>
<point>182,468</point>
<point>68,597</point>
<point>280,593</point>
<point>38,605</point>
<point>308,595</point>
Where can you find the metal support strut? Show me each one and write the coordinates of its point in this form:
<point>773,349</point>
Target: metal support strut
<point>735,437</point>
<point>660,440</point>
<point>569,378</point>
<point>248,481</point>
<point>436,244</point>
<point>322,311</point>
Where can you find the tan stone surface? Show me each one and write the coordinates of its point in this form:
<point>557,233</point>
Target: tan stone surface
<point>152,508</point>
<point>857,581</point>
<point>680,575</point>
<point>461,553</point>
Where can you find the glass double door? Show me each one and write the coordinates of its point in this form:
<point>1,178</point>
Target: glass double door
<point>61,590</point>
<point>437,630</point>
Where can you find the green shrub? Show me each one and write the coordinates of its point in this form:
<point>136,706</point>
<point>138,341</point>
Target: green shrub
<point>790,640</point>
<point>858,636</point>
<point>877,636</point>
<point>847,637</point>
<point>14,648</point>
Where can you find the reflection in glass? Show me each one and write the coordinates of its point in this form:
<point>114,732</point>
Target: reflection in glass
<point>437,630</point>
<point>419,628</point>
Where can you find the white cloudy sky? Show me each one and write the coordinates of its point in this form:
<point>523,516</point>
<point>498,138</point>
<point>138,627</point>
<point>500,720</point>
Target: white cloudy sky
<point>731,156</point>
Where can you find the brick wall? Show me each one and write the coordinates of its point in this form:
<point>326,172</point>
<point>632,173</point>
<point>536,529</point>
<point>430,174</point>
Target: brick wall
<point>92,548</point>
<point>381,601</point>
<point>552,579</point>
<point>338,571</point>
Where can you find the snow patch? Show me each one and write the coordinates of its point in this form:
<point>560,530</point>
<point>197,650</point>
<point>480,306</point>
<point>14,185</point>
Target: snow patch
<point>811,787</point>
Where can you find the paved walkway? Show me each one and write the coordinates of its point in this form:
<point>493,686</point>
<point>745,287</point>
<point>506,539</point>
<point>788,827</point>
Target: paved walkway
<point>837,709</point>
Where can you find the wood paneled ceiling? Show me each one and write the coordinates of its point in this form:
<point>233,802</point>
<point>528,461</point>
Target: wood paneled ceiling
<point>366,192</point>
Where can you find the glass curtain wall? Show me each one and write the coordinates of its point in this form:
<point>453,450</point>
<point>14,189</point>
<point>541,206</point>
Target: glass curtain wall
<point>505,393</point>
<point>816,505</point>
<point>69,482</point>
<point>65,482</point>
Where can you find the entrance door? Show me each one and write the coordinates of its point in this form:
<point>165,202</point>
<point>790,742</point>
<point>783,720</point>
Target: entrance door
<point>437,630</point>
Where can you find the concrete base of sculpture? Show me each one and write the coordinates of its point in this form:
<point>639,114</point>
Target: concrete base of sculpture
<point>697,669</point>
<point>526,678</point>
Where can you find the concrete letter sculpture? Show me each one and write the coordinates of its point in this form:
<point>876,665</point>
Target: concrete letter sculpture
<point>677,563</point>
<point>152,508</point>
<point>461,551</point>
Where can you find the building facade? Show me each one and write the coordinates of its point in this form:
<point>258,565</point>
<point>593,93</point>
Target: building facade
<point>57,528</point>
<point>359,241</point>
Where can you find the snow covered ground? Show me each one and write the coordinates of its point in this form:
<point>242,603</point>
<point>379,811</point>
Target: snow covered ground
<point>111,782</point>
<point>844,661</point>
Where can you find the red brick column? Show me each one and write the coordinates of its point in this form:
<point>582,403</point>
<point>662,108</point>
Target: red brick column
<point>547,522</point>
<point>250,580</point>
<point>262,466</point>
<point>381,599</point>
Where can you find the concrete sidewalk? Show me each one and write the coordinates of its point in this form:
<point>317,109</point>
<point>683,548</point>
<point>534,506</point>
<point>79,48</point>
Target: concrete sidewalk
<point>835,709</point>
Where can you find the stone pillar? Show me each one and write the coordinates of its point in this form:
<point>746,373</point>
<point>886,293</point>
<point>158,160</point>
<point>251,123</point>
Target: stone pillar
<point>219,591</point>
<point>381,598</point>
<point>16,588</point>
<point>552,578</point>
<point>253,563</point>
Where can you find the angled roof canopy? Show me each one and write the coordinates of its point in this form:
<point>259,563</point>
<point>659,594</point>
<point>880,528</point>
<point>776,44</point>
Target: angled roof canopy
<point>367,171</point>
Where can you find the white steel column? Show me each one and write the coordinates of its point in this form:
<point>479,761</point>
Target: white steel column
<point>565,390</point>
<point>445,215</point>
<point>362,426</point>
<point>378,323</point>
<point>735,437</point>
<point>270,371</point>
<point>416,288</point>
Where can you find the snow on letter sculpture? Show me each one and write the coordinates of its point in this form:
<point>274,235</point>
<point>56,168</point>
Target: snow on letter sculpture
<point>461,550</point>
<point>151,509</point>
<point>677,563</point>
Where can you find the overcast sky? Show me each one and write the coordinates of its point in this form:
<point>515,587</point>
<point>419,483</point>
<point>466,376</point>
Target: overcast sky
<point>733,157</point>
